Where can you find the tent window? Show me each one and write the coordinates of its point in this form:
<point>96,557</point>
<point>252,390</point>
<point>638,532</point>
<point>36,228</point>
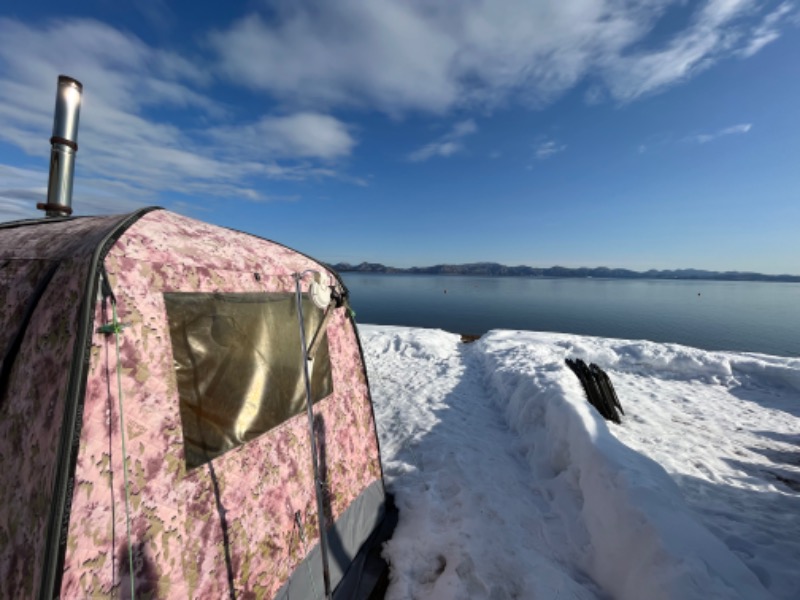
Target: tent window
<point>238,365</point>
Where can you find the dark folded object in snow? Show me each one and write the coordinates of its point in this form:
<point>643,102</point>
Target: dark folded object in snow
<point>599,389</point>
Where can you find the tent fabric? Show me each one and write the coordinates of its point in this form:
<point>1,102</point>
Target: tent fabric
<point>227,526</point>
<point>34,391</point>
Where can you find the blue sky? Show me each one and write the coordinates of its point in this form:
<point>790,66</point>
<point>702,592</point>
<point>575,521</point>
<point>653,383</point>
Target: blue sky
<point>651,134</point>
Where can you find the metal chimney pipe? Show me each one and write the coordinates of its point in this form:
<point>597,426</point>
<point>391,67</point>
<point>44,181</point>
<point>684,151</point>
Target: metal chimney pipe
<point>64,147</point>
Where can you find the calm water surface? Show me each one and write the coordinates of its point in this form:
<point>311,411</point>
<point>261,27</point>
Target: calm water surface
<point>715,315</point>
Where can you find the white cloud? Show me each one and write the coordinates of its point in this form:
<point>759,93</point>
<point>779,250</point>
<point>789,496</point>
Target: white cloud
<point>378,52</point>
<point>714,32</point>
<point>548,148</point>
<point>448,144</point>
<point>20,190</point>
<point>411,55</point>
<point>443,149</point>
<point>303,135</point>
<point>23,188</point>
<point>704,138</point>
<point>768,31</point>
<point>128,133</point>
<point>743,128</point>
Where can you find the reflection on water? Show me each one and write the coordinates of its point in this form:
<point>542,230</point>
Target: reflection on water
<point>716,315</point>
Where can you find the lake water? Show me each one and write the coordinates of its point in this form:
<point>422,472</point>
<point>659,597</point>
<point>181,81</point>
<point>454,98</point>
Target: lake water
<point>715,315</point>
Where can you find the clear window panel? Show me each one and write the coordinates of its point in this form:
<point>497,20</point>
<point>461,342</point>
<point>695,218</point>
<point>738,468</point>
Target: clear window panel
<point>239,366</point>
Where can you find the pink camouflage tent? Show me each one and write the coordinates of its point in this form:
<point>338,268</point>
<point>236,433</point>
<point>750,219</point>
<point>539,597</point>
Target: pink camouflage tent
<point>156,421</point>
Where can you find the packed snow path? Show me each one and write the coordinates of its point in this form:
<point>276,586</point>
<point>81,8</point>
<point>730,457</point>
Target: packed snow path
<point>511,486</point>
<point>479,527</point>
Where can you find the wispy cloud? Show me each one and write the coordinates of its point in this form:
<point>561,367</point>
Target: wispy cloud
<point>321,54</point>
<point>704,138</point>
<point>23,188</point>
<point>446,145</point>
<point>548,148</point>
<point>714,32</point>
<point>768,31</point>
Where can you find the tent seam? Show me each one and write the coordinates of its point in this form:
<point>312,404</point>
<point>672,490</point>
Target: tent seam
<point>71,423</point>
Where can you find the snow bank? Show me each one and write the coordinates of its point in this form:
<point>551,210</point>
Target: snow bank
<point>644,542</point>
<point>726,427</point>
<point>675,361</point>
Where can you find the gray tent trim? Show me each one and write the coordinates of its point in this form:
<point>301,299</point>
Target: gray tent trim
<point>346,539</point>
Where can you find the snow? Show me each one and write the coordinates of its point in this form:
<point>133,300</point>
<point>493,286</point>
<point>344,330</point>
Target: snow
<point>510,485</point>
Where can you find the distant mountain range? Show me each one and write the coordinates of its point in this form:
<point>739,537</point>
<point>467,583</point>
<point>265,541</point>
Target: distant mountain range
<point>495,269</point>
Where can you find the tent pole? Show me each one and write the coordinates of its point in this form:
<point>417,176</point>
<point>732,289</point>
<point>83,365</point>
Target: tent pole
<point>321,521</point>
